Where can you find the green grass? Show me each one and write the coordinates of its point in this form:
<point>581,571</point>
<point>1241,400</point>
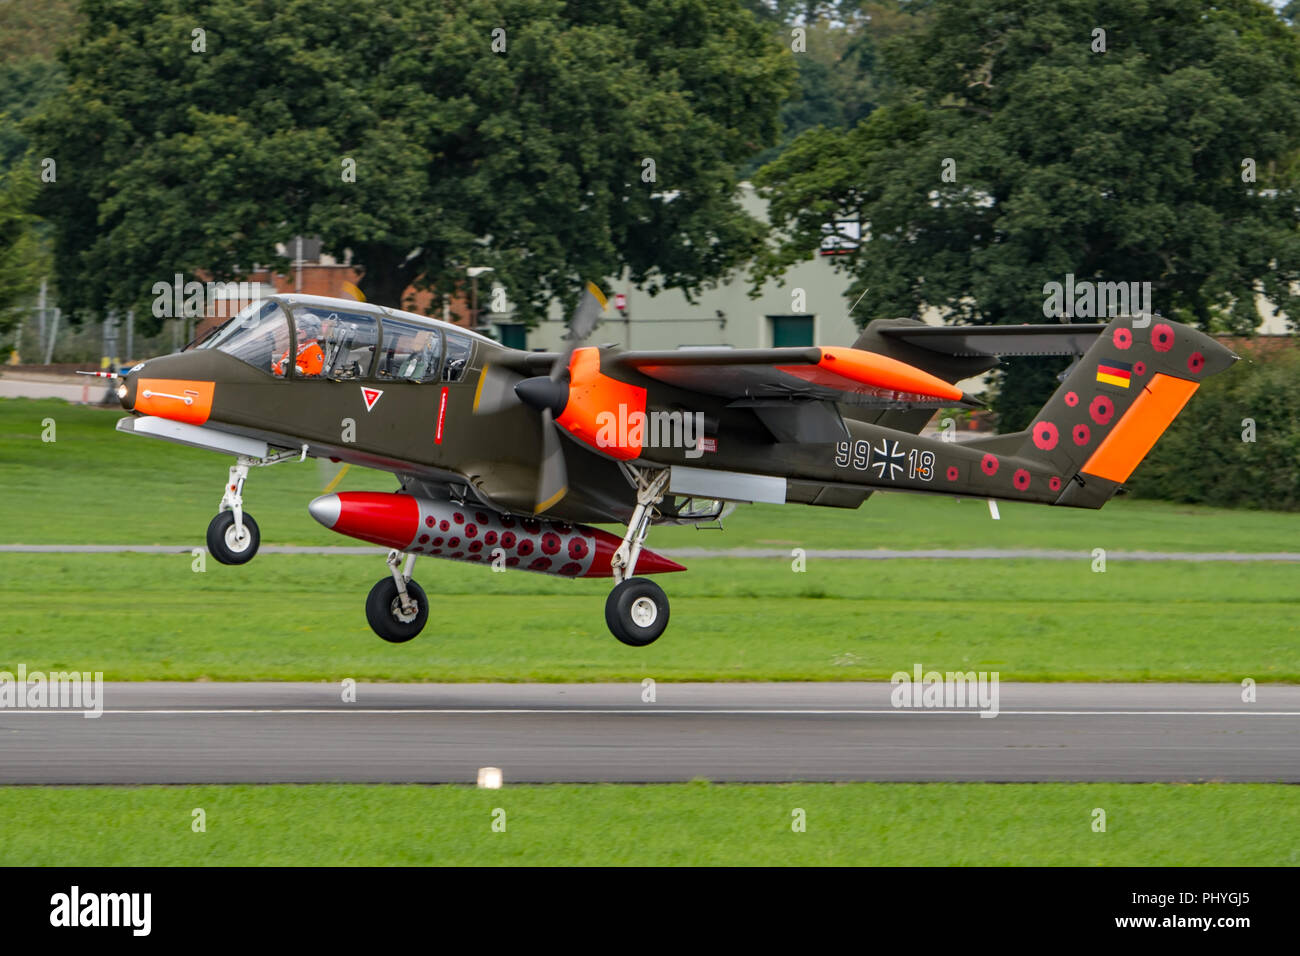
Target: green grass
<point>300,617</point>
<point>681,824</point>
<point>95,485</point>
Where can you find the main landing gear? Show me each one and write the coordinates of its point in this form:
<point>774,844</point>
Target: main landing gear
<point>233,536</point>
<point>397,608</point>
<point>636,611</point>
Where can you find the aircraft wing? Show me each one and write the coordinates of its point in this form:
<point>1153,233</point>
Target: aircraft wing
<point>847,376</point>
<point>991,340</point>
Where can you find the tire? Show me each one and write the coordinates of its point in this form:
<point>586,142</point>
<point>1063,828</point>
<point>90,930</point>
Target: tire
<point>384,611</point>
<point>225,547</point>
<point>636,612</point>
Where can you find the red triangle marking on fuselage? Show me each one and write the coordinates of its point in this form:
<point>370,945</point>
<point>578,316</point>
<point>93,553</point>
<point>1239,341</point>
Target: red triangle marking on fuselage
<point>370,396</point>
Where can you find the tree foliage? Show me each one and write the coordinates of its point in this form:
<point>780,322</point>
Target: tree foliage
<point>1122,165</point>
<point>1238,441</point>
<point>530,160</point>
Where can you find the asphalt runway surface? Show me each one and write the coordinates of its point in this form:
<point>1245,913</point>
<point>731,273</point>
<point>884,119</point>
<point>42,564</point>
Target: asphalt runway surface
<point>437,733</point>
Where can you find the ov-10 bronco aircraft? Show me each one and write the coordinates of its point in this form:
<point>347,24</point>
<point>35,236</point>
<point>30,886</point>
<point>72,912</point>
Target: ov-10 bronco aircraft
<point>506,457</point>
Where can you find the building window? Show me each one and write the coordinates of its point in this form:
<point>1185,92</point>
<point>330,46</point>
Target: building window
<point>790,331</point>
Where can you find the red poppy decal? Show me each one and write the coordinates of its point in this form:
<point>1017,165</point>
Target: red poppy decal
<point>1195,362</point>
<point>990,465</point>
<point>1139,368</point>
<point>952,472</point>
<point>1071,399</point>
<point>1123,338</point>
<point>1081,434</point>
<point>1054,483</point>
<point>1046,435</point>
<point>1162,338</point>
<point>1020,479</point>
<point>1101,409</point>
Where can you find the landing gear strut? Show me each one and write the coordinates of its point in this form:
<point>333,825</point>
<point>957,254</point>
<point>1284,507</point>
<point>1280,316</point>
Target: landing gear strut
<point>636,611</point>
<point>233,536</point>
<point>397,607</point>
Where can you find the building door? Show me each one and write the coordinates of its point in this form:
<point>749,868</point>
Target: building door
<point>790,331</point>
<point>514,336</point>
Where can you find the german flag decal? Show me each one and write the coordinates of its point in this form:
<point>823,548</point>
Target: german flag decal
<point>1111,372</point>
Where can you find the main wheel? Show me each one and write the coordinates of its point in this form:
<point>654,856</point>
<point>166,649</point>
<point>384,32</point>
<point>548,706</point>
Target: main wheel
<point>385,614</point>
<point>227,545</point>
<point>637,611</point>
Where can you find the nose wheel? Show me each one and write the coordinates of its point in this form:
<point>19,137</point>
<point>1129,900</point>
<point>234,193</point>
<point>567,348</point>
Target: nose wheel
<point>233,537</point>
<point>232,543</point>
<point>397,608</point>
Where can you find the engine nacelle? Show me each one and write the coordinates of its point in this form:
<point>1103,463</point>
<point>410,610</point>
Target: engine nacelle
<point>444,529</point>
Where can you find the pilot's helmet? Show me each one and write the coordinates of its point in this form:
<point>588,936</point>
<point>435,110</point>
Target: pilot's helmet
<point>309,327</point>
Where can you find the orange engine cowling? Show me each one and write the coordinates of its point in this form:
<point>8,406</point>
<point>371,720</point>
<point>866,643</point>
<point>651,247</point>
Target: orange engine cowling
<point>597,408</point>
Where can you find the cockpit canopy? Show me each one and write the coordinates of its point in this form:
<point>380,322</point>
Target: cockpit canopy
<point>342,344</point>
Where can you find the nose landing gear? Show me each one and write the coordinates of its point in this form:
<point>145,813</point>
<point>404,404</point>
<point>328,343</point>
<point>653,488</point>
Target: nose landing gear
<point>233,537</point>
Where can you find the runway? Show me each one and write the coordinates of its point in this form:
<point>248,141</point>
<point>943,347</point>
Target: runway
<point>436,733</point>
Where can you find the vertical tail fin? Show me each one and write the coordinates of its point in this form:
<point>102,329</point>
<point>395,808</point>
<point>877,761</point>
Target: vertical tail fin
<point>1114,404</point>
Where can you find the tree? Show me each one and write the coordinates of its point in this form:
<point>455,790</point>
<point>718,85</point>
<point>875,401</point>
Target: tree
<point>553,141</point>
<point>29,33</point>
<point>1122,165</point>
<point>24,252</point>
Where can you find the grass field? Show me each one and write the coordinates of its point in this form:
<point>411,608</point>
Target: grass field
<point>144,617</point>
<point>95,485</point>
<point>680,824</point>
<point>299,617</point>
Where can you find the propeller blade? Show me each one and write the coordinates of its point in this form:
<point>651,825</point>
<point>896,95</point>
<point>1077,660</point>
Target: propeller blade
<point>587,315</point>
<point>553,475</point>
<point>585,319</point>
<point>496,390</point>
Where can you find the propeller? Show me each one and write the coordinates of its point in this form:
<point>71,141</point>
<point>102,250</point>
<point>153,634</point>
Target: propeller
<point>550,393</point>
